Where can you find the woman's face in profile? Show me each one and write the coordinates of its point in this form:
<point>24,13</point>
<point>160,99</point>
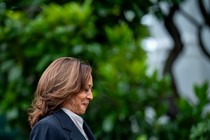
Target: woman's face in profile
<point>79,102</point>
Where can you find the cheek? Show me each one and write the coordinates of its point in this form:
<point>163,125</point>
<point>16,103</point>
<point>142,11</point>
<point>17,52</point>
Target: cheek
<point>81,97</point>
<point>79,101</point>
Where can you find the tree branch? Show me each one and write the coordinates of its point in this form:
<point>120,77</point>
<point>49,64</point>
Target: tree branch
<point>205,14</point>
<point>177,48</point>
<point>206,17</point>
<point>203,48</point>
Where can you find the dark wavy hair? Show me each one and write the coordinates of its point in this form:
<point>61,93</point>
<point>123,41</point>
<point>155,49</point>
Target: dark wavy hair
<point>63,77</point>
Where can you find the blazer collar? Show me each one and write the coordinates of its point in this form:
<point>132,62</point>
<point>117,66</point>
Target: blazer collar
<point>88,131</point>
<point>68,124</point>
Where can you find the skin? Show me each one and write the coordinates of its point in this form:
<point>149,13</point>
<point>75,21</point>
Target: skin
<point>79,102</point>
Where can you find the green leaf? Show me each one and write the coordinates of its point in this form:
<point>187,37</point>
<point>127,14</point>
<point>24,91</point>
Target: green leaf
<point>108,123</point>
<point>15,73</point>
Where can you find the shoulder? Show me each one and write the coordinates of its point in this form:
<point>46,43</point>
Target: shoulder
<point>46,127</point>
<point>53,120</point>
<point>50,120</point>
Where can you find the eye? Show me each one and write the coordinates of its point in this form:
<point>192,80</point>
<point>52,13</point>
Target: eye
<point>86,90</point>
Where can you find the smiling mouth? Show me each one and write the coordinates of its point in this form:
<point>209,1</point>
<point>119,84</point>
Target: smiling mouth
<point>85,104</point>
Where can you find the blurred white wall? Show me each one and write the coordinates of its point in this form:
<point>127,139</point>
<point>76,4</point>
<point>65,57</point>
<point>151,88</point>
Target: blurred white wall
<point>191,67</point>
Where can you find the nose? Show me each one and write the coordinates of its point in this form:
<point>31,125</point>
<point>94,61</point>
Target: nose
<point>90,95</point>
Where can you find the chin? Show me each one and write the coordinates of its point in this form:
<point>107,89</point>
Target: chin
<point>82,112</point>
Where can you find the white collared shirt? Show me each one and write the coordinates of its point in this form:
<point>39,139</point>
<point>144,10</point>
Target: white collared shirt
<point>78,121</point>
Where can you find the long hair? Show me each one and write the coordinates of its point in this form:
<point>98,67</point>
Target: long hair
<point>63,77</point>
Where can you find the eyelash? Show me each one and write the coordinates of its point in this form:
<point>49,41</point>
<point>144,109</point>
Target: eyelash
<point>86,90</point>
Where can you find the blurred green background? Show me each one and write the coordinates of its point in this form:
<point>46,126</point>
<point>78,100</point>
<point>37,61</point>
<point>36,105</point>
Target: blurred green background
<point>128,104</point>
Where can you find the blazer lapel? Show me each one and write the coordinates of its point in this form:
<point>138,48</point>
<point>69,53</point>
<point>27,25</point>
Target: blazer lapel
<point>69,125</point>
<point>88,131</point>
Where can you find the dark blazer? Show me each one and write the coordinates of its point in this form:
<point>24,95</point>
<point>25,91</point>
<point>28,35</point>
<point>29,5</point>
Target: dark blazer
<point>58,126</point>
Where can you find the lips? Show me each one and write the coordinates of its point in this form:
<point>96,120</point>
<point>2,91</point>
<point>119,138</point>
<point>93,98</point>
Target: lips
<point>85,104</point>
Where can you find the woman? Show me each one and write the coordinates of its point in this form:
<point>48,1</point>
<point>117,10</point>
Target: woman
<point>63,93</point>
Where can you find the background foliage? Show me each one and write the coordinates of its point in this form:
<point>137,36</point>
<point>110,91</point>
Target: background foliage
<point>128,104</point>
